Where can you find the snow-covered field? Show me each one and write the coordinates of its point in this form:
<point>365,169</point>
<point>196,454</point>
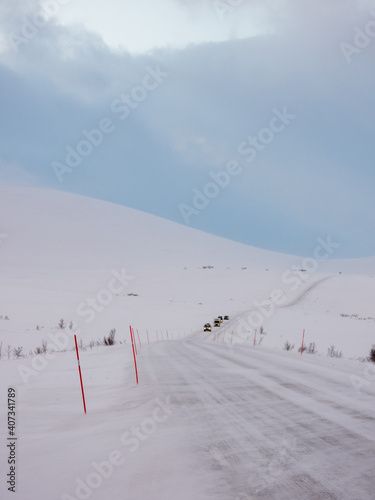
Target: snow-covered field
<point>213,415</point>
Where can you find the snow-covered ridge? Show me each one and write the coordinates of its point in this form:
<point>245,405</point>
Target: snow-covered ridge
<point>51,229</point>
<point>104,266</point>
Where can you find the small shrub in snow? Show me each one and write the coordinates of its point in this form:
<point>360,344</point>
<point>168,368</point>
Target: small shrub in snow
<point>41,349</point>
<point>61,324</point>
<point>81,346</point>
<point>17,352</point>
<point>8,350</point>
<point>288,346</point>
<point>372,354</point>
<point>110,340</point>
<point>332,353</point>
<point>312,348</point>
<point>262,334</point>
<point>91,344</point>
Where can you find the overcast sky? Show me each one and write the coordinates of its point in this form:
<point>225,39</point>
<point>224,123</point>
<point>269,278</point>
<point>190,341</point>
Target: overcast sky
<point>249,119</point>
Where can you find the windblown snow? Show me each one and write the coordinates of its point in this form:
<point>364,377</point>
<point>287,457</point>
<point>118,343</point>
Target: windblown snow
<point>226,414</point>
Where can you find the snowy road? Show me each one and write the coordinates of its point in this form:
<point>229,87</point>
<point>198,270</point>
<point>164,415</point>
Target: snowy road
<point>264,424</point>
<point>208,421</point>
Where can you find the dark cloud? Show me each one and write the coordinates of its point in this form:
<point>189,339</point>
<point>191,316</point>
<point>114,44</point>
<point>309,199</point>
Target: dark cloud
<point>214,97</point>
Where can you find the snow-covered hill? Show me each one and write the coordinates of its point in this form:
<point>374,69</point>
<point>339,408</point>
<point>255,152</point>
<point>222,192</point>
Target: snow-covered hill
<point>104,266</point>
<point>214,416</point>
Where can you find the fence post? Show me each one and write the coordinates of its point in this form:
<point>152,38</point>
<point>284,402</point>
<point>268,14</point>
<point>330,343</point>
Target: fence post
<point>303,338</point>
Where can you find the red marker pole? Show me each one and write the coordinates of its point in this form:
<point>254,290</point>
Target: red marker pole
<point>162,338</point>
<point>231,340</point>
<point>133,340</point>
<point>139,339</point>
<point>303,338</point>
<point>255,336</point>
<point>223,337</point>
<point>148,340</point>
<point>135,361</point>
<point>80,375</point>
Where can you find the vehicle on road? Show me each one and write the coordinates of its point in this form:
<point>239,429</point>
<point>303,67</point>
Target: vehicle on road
<point>226,318</point>
<point>207,327</point>
<point>216,322</point>
<point>220,318</point>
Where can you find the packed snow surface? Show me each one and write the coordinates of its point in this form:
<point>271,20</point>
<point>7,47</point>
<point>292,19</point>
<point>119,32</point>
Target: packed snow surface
<point>223,414</point>
<point>208,419</point>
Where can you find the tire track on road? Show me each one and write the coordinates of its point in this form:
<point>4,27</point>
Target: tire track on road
<point>244,420</point>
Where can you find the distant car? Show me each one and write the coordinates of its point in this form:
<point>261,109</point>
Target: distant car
<point>226,317</point>
<point>220,318</point>
<point>216,322</point>
<point>207,327</point>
